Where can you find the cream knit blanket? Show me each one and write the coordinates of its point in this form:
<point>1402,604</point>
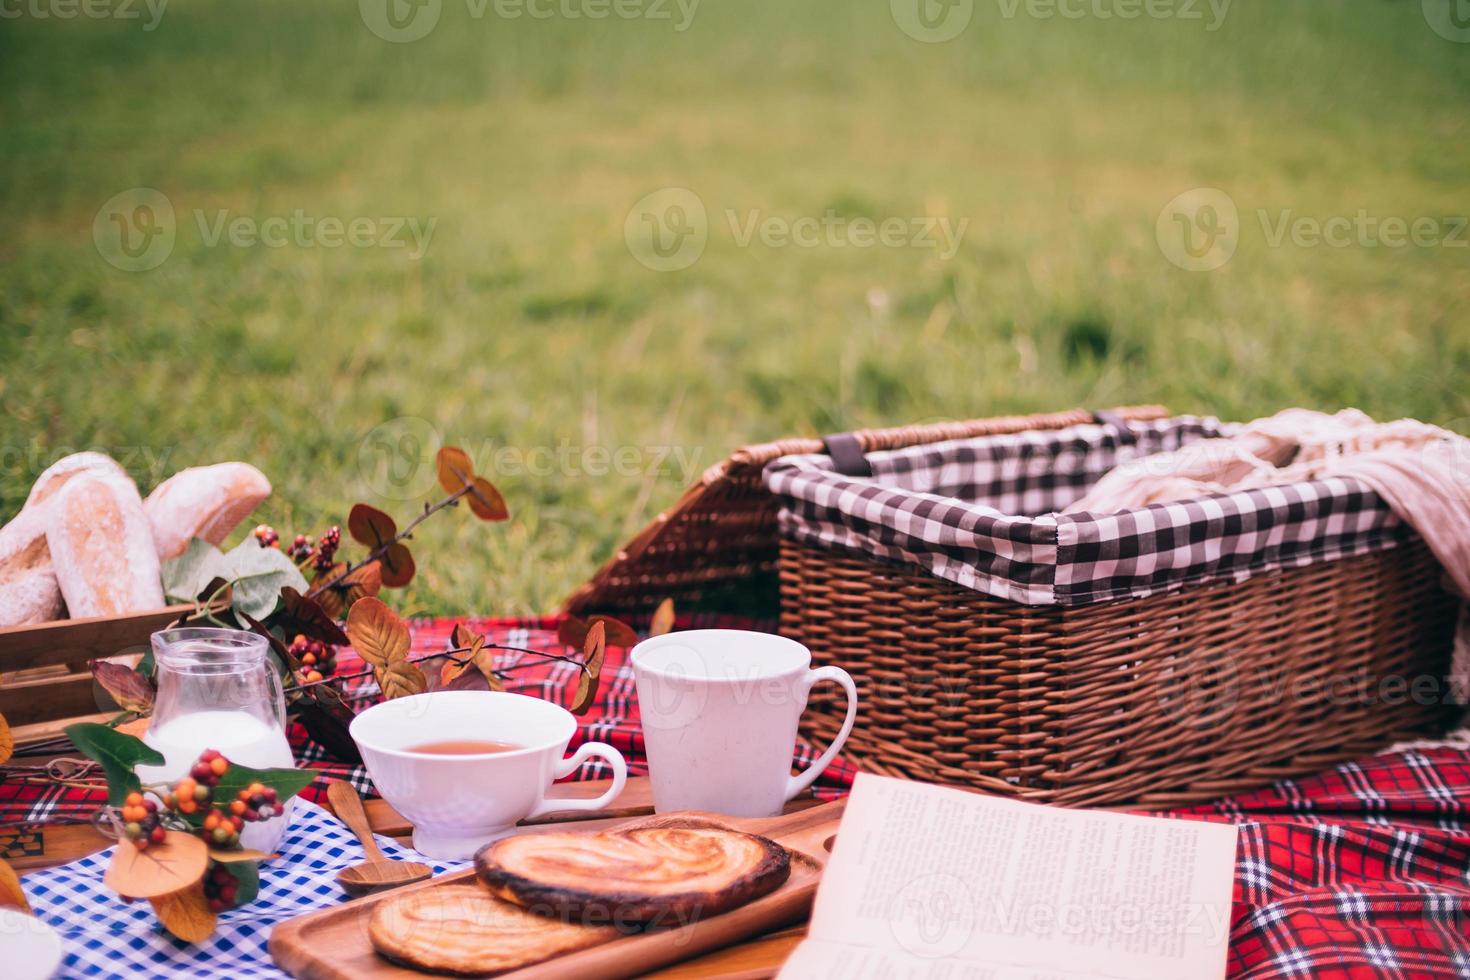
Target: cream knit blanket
<point>1421,471</point>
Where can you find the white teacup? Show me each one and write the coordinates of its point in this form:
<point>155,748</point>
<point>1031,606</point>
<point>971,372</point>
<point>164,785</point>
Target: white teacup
<point>459,803</point>
<point>720,710</point>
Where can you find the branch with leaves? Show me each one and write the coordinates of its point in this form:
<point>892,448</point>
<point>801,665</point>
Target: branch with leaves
<point>256,586</point>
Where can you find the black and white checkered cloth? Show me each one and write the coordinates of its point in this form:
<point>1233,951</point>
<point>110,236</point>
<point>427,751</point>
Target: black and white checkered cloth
<point>984,513</point>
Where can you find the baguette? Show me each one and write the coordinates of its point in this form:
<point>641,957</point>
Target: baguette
<point>58,473</point>
<point>203,502</point>
<point>102,547</point>
<point>29,592</point>
<point>28,589</point>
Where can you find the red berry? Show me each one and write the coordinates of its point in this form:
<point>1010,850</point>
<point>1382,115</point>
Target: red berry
<point>157,835</point>
<point>216,905</point>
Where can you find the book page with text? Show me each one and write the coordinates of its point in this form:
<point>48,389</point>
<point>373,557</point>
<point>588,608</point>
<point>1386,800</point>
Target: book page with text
<point>930,882</point>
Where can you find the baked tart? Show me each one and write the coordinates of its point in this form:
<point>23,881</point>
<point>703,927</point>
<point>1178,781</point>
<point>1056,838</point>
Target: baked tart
<point>662,874</point>
<point>466,931</point>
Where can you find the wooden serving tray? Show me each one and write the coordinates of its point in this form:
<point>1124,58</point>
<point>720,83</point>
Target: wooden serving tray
<point>332,944</point>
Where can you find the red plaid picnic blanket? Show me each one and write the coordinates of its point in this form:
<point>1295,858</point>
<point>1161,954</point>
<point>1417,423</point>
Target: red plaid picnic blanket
<point>1360,871</point>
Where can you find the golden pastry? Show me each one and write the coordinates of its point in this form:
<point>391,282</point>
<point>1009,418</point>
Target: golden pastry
<point>464,930</point>
<point>666,874</point>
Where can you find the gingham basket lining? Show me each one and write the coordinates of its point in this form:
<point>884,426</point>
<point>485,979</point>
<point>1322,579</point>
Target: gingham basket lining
<point>982,513</point>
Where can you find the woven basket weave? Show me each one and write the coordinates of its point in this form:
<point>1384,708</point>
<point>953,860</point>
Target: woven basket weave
<point>1173,698</point>
<point>716,548</point>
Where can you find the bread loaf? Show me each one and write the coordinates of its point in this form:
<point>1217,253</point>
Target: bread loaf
<point>55,476</point>
<point>203,502</point>
<point>28,589</point>
<point>102,547</point>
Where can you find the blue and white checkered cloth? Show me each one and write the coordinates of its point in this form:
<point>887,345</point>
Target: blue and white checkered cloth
<point>104,937</point>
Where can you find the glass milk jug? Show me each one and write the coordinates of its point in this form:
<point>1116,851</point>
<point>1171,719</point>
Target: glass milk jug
<point>218,690</point>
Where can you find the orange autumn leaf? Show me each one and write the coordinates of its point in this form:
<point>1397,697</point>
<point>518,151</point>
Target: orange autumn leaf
<point>455,468</point>
<point>180,861</point>
<point>397,565</point>
<point>363,582</point>
<point>378,635</point>
<point>594,650</point>
<point>11,894</point>
<point>485,501</point>
<point>7,741</point>
<point>370,526</point>
<point>186,913</point>
<point>400,679</point>
<point>224,856</point>
<point>663,619</point>
<point>573,631</point>
<point>137,728</point>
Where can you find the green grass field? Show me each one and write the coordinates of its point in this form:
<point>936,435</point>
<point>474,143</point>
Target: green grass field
<point>529,332</point>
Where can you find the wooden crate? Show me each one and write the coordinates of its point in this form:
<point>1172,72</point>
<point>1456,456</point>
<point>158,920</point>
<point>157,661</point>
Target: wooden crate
<point>46,682</point>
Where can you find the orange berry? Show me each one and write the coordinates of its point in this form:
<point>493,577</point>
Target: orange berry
<point>237,807</point>
<point>134,799</point>
<point>211,821</point>
<point>219,766</point>
<point>187,805</point>
<point>255,788</point>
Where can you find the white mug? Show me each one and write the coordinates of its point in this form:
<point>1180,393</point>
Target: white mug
<point>720,710</point>
<point>459,803</point>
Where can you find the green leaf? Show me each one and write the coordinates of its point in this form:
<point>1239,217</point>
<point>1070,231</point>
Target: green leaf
<point>118,754</point>
<point>247,873</point>
<point>286,782</point>
<point>185,576</point>
<point>258,576</point>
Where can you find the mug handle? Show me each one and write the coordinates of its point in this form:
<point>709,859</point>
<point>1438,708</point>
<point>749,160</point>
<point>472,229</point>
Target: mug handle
<point>795,784</point>
<point>569,765</point>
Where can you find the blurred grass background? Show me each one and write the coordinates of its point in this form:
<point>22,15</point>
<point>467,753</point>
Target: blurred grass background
<point>528,325</point>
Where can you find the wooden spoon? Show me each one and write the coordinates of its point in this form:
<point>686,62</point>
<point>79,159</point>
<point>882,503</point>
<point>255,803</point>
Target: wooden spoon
<point>377,872</point>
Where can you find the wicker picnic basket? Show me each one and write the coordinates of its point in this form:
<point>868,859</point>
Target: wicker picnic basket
<point>1253,636</point>
<point>716,549</point>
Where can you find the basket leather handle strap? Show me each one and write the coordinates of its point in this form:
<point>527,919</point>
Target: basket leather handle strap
<point>1117,423</point>
<point>847,454</point>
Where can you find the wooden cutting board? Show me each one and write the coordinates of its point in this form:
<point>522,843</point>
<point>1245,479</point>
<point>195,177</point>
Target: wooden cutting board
<point>332,944</point>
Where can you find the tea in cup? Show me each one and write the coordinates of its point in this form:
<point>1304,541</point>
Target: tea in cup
<point>464,767</point>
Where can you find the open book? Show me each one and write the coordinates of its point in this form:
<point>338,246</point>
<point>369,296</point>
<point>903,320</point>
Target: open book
<point>928,882</point>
